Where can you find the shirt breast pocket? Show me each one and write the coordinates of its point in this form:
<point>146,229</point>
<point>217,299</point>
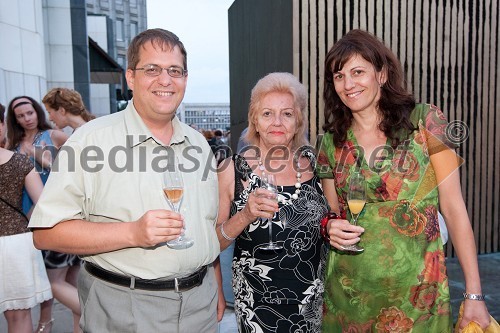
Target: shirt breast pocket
<point>205,198</point>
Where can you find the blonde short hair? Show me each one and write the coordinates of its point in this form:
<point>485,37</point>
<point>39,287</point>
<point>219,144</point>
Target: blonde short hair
<point>281,83</point>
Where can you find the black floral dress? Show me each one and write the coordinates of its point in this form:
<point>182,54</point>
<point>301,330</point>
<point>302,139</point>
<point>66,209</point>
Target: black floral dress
<point>280,291</point>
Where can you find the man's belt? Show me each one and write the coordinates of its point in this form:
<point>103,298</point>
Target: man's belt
<point>177,284</point>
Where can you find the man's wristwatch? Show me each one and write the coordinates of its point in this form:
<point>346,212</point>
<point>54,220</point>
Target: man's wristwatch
<point>475,297</point>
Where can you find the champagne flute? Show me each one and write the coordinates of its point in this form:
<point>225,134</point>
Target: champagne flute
<point>173,188</point>
<point>356,199</point>
<point>269,183</point>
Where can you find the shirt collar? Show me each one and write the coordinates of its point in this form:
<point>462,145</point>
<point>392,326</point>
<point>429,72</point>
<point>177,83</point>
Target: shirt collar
<point>137,132</point>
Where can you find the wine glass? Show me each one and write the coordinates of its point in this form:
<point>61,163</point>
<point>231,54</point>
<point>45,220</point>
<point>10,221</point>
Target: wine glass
<point>269,183</point>
<point>173,188</point>
<point>356,199</point>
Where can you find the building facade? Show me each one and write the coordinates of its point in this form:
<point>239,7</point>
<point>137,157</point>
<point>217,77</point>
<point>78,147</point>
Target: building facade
<point>207,116</point>
<point>75,44</point>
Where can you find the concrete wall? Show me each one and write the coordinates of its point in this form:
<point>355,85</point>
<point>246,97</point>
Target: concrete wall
<point>22,59</point>
<point>260,42</point>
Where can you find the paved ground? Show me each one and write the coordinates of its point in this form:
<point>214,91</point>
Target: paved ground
<point>489,269</point>
<point>489,265</point>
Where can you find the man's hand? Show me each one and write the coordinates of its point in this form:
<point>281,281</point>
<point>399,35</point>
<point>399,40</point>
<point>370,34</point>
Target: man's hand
<point>157,226</point>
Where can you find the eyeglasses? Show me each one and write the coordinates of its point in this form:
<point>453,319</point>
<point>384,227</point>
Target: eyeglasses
<point>155,70</point>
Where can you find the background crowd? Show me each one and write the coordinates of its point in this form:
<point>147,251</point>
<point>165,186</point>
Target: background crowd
<point>29,134</point>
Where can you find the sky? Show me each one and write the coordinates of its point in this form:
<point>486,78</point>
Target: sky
<point>201,25</point>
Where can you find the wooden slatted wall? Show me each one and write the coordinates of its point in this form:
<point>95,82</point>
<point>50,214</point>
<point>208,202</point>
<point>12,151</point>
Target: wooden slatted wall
<point>450,52</point>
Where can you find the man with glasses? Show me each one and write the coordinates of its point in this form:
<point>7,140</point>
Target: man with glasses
<point>106,203</point>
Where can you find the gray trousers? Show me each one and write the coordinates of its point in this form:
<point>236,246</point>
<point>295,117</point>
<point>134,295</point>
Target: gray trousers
<point>107,307</point>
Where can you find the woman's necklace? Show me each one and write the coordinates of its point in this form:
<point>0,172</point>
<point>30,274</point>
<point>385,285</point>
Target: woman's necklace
<point>298,184</point>
<point>36,137</point>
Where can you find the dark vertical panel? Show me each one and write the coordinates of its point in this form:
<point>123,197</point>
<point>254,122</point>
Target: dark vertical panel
<point>482,111</point>
<point>446,72</point>
<point>301,78</point>
<point>400,38</point>
<point>258,44</point>
<point>81,64</point>
<point>317,74</point>
<point>456,71</point>
<point>308,81</point>
<point>496,99</point>
<point>369,16</point>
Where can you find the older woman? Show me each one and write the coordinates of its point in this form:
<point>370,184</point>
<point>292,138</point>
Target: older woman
<point>276,290</point>
<point>375,128</point>
<point>66,108</point>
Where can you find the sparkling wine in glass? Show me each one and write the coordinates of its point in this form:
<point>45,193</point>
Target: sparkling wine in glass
<point>356,199</point>
<point>269,183</point>
<point>173,188</point>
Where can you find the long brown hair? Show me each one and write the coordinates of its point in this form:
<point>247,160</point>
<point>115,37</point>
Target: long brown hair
<point>15,132</point>
<point>395,104</point>
<point>70,100</point>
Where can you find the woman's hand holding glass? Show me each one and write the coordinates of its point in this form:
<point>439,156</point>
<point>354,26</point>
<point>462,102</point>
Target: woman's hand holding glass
<point>356,199</point>
<point>261,203</point>
<point>343,234</point>
<point>269,184</point>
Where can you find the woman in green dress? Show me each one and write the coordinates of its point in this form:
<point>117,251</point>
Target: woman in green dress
<point>374,127</point>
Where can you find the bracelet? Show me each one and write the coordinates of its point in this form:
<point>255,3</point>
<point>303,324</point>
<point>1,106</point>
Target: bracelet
<point>324,223</point>
<point>475,297</point>
<point>226,237</point>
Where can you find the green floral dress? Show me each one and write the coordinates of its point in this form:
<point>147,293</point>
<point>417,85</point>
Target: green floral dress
<point>399,283</point>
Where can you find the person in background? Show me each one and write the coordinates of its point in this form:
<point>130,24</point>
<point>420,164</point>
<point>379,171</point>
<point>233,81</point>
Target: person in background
<point>374,127</point>
<point>219,136</point>
<point>209,136</point>
<point>242,142</point>
<point>227,137</point>
<point>118,220</point>
<point>220,148</point>
<point>275,290</point>
<point>29,133</point>
<point>24,282</point>
<point>28,128</point>
<point>66,108</point>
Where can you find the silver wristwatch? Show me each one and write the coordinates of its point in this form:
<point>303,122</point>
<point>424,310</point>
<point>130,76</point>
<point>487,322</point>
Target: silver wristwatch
<point>475,297</point>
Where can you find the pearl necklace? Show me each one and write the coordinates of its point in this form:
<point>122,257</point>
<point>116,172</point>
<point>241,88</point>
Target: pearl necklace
<point>298,184</point>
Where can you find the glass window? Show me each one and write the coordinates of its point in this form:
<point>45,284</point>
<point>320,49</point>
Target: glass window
<point>133,30</point>
<point>121,61</point>
<point>119,30</point>
<point>133,3</point>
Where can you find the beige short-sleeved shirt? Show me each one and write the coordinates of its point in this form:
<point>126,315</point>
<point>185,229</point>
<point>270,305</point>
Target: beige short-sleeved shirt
<point>110,170</point>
